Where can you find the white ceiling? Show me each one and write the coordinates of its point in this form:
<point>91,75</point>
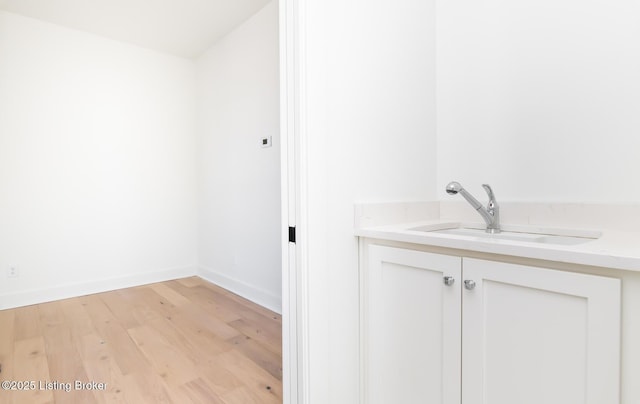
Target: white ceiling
<point>180,27</point>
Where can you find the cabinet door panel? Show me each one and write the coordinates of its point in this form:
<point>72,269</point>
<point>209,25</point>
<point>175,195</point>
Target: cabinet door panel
<point>532,336</point>
<point>412,328</point>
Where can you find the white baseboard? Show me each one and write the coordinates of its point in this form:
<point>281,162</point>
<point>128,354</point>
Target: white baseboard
<point>249,292</point>
<point>36,296</point>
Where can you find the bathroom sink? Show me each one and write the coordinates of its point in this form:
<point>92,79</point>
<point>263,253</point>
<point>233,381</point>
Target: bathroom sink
<point>516,233</point>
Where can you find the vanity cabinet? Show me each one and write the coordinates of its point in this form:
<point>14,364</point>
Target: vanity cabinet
<point>443,329</point>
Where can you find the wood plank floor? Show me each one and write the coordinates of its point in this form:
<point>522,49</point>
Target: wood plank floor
<point>184,341</point>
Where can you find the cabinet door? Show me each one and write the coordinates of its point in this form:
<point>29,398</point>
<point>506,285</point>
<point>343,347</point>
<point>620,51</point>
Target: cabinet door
<point>534,336</point>
<point>411,327</point>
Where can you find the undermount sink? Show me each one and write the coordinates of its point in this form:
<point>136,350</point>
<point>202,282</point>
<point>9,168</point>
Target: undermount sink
<point>515,233</point>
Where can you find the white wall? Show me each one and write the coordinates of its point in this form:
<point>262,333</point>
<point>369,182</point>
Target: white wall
<point>540,98</point>
<point>97,171</point>
<point>239,181</point>
<point>369,118</point>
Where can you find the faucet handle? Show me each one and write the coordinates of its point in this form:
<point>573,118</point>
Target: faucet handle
<point>493,210</point>
<point>489,191</point>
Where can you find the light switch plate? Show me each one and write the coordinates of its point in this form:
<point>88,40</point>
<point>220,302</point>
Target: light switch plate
<point>266,141</point>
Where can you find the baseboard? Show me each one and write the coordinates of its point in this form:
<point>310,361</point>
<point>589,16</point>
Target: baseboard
<point>36,296</point>
<point>249,292</point>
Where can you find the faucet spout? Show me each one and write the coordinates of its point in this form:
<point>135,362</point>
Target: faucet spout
<point>490,214</point>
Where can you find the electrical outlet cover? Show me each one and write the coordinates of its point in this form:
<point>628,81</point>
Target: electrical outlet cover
<point>12,272</point>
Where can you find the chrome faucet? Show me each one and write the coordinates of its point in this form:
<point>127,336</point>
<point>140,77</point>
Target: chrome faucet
<point>490,214</point>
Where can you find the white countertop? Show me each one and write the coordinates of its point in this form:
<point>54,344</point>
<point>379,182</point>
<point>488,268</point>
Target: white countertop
<point>613,249</point>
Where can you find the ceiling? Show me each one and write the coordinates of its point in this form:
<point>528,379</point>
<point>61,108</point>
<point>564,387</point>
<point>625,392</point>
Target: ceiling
<point>181,27</point>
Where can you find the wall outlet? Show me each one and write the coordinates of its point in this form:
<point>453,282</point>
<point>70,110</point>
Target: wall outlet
<point>12,272</point>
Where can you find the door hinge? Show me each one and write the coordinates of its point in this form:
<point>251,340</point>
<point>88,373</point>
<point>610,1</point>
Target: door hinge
<point>292,234</point>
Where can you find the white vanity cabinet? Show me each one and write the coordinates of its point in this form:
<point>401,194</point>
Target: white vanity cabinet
<point>509,334</point>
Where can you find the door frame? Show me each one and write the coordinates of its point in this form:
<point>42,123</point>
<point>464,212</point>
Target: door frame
<point>295,330</point>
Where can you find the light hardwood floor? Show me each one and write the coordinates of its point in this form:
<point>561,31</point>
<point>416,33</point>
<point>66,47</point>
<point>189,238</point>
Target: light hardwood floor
<point>184,341</point>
